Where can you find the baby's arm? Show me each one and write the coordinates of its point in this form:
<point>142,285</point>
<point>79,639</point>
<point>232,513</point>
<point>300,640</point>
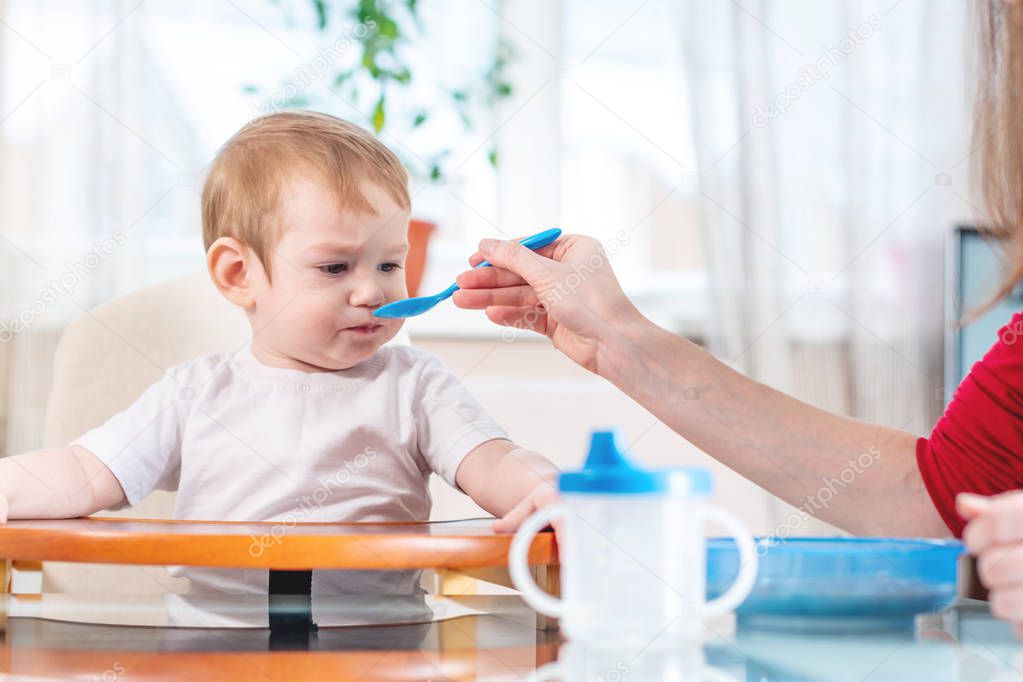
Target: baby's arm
<point>56,483</point>
<point>507,481</point>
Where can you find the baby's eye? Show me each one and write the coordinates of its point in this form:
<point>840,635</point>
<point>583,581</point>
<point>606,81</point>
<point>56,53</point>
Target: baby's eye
<point>334,268</point>
<point>390,267</point>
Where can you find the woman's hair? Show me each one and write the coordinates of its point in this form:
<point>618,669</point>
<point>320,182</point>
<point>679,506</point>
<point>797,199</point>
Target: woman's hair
<point>997,147</point>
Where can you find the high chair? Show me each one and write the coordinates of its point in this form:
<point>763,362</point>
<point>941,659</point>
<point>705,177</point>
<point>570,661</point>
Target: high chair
<point>103,362</point>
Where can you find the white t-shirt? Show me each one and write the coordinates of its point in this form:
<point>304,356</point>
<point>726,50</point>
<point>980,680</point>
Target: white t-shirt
<point>243,441</point>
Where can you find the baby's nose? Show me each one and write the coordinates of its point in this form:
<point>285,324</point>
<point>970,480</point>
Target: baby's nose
<point>367,293</point>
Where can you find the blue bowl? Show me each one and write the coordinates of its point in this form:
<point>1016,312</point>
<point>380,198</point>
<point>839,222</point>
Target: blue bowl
<point>839,584</point>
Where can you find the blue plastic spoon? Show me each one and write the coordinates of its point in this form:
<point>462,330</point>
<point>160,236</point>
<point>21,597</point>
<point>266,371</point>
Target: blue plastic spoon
<point>410,307</point>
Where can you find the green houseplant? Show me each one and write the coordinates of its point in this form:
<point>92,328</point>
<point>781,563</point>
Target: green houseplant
<point>366,65</point>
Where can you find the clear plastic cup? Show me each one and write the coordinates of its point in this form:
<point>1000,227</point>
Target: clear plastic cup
<point>633,552</point>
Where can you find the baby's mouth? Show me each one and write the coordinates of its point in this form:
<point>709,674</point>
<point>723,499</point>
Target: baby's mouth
<point>370,328</point>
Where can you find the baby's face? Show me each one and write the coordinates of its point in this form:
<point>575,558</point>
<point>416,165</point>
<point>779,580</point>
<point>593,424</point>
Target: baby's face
<point>331,268</point>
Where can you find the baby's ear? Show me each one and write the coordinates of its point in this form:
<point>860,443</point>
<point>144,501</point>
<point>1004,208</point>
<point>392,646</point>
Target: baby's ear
<point>228,263</point>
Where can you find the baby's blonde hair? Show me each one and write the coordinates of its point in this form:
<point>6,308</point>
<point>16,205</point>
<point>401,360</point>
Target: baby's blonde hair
<point>240,195</point>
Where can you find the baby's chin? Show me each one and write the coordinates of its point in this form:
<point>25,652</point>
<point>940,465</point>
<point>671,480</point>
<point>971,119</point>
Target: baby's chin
<point>354,348</point>
<point>335,361</point>
<point>353,358</point>
<point>344,350</point>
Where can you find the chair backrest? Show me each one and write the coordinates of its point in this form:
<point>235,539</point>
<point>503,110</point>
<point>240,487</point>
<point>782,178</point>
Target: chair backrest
<point>107,357</point>
<point>103,362</point>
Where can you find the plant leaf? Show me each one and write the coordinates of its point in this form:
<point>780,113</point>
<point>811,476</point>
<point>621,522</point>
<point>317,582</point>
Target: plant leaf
<point>321,13</point>
<point>387,27</point>
<point>369,60</point>
<point>379,117</point>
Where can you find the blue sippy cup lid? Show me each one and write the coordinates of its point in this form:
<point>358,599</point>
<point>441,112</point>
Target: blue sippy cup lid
<point>608,470</point>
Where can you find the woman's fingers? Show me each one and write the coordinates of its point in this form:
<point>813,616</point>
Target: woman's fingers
<point>488,278</point>
<point>478,299</point>
<point>1007,603</point>
<point>998,524</point>
<point>970,506</point>
<point>995,534</point>
<point>1001,566</point>
<point>510,255</point>
<point>478,257</point>
<point>576,265</point>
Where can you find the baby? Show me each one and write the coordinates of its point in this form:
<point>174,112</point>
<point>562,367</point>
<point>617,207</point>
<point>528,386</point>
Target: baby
<point>304,220</point>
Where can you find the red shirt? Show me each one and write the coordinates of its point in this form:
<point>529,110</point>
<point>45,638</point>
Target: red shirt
<point>977,445</point>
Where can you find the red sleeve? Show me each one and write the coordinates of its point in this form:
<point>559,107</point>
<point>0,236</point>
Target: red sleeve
<point>977,445</point>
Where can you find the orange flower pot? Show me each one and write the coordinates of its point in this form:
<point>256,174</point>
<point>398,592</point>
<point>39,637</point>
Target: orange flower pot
<point>419,233</point>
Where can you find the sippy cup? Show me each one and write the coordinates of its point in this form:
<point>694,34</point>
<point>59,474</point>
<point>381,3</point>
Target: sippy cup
<point>632,550</point>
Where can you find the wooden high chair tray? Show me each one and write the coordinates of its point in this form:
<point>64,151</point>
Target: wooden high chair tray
<point>282,545</point>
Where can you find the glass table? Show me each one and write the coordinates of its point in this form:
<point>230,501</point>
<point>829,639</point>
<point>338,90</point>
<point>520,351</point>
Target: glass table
<point>495,637</point>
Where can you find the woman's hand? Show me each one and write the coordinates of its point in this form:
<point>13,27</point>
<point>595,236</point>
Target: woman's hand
<point>566,290</point>
<point>994,535</point>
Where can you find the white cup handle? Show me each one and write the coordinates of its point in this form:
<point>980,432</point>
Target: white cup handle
<point>548,673</point>
<point>518,563</point>
<point>743,584</point>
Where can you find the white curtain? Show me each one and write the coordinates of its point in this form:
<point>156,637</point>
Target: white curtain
<point>831,139</point>
<point>92,184</point>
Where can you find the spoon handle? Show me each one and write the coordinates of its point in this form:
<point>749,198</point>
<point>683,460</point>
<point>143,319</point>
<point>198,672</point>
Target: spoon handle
<point>536,241</point>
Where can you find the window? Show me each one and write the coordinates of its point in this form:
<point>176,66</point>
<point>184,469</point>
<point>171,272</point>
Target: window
<point>125,104</point>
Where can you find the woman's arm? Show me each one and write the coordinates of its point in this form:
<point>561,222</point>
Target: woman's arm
<point>56,483</point>
<point>858,476</point>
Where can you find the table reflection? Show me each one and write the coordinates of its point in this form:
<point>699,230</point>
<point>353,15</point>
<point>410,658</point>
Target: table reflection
<point>363,637</point>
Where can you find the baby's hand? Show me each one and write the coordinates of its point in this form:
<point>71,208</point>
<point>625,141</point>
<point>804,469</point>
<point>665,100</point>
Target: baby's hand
<point>542,496</point>
<point>994,534</point>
